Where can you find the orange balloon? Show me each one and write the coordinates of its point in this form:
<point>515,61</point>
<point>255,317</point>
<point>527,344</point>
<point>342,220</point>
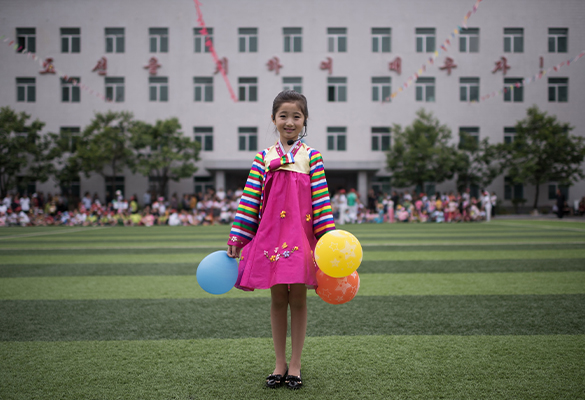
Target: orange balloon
<point>337,290</point>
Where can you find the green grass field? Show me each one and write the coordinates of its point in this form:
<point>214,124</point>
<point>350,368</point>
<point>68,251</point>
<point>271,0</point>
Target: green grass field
<point>461,311</point>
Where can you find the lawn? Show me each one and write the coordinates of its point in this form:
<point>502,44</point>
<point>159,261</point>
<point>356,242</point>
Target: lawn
<point>456,311</point>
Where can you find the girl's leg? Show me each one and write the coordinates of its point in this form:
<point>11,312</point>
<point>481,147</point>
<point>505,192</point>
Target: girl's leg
<point>298,325</point>
<point>278,320</point>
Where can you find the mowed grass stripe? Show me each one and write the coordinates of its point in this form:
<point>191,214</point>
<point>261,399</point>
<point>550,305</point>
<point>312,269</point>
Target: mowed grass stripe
<point>414,367</point>
<point>186,287</point>
<point>67,320</point>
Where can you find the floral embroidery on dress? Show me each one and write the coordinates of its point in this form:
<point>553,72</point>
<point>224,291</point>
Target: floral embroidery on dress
<point>235,240</point>
<point>308,217</point>
<point>284,245</point>
<point>286,253</point>
<point>282,214</point>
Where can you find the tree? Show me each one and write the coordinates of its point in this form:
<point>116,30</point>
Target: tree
<point>478,163</point>
<point>104,146</point>
<point>163,153</point>
<point>23,151</point>
<point>421,153</point>
<point>543,151</point>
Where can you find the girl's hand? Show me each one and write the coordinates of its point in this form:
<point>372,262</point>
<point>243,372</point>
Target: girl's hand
<point>234,251</point>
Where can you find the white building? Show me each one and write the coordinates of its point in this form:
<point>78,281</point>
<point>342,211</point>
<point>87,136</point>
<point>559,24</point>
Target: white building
<point>348,122</point>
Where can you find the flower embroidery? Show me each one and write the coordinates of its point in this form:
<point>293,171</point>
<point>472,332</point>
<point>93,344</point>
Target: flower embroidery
<point>282,214</point>
<point>276,249</point>
<point>295,248</point>
<point>286,254</point>
<point>308,217</point>
<point>272,258</point>
<point>284,245</point>
<point>277,255</point>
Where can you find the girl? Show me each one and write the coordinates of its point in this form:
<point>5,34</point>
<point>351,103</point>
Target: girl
<point>284,209</point>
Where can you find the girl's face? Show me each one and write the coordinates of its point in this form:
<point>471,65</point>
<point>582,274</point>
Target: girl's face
<point>289,121</point>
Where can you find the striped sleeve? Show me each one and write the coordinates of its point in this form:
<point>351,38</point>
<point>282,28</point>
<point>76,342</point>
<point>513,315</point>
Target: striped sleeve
<point>322,214</point>
<point>248,213</point>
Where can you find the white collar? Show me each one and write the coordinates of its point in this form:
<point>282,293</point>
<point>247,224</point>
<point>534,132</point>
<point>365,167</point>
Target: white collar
<point>291,147</point>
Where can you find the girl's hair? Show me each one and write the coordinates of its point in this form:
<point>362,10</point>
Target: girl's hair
<point>290,96</point>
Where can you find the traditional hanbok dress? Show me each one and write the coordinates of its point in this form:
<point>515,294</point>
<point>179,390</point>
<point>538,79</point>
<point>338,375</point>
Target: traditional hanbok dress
<point>284,210</point>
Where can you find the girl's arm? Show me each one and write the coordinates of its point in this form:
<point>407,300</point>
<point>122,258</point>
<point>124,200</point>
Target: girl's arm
<point>322,214</point>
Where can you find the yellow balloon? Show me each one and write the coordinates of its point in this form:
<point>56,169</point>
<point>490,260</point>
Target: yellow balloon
<point>338,253</point>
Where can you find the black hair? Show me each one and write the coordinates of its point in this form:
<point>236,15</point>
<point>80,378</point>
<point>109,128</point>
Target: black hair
<point>290,96</point>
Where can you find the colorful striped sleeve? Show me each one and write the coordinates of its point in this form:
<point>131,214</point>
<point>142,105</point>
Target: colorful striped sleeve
<point>322,214</point>
<point>248,213</point>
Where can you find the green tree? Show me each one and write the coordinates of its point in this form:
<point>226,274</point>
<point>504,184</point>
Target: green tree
<point>104,146</point>
<point>163,153</point>
<point>544,151</point>
<point>421,152</point>
<point>478,162</point>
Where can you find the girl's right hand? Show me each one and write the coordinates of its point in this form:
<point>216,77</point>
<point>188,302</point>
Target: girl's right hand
<point>234,251</point>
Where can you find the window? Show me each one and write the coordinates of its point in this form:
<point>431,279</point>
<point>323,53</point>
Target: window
<point>469,89</point>
<point>247,139</point>
<point>201,40</point>
<point>203,88</point>
<point>293,40</point>
<point>425,89</point>
<point>381,88</point>
<point>337,40</point>
<point>512,92</point>
<point>513,40</point>
<point>469,40</point>
<point>26,89</point>
<point>114,40</point>
<point>472,131</point>
<point>381,40</point>
<point>509,134</point>
<point>26,38</point>
<point>248,89</point>
<point>380,138</point>
<point>70,40</point>
<point>159,88</point>
<point>337,89</point>
<point>558,90</point>
<point>425,40</point>
<point>558,40</point>
<point>202,184</point>
<point>159,40</point>
<point>70,136</point>
<point>118,185</point>
<point>512,191</point>
<point>293,83</point>
<point>248,40</point>
<point>336,138</point>
<point>70,93</point>
<point>552,191</point>
<point>204,136</point>
<point>115,89</point>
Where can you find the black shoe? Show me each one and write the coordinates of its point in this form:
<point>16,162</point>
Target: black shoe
<point>293,382</point>
<point>275,380</point>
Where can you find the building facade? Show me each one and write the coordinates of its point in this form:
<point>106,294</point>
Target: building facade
<point>151,58</point>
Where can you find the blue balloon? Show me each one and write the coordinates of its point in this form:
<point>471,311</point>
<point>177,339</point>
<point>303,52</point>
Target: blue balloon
<point>217,273</point>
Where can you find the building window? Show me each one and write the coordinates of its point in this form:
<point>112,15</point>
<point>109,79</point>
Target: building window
<point>336,139</point>
<point>204,136</point>
<point>472,132</point>
<point>552,191</point>
<point>425,89</point>
<point>381,88</point>
<point>558,90</point>
<point>382,184</point>
<point>293,83</point>
<point>513,40</point>
<point>158,88</point>
<point>118,185</point>
<point>469,40</point>
<point>70,93</point>
<point>469,89</point>
<point>26,38</point>
<point>26,90</point>
<point>512,191</point>
<point>114,40</point>
<point>201,40</point>
<point>247,139</point>
<point>337,40</point>
<point>203,88</point>
<point>337,89</point>
<point>70,137</point>
<point>248,40</point>
<point>509,134</point>
<point>558,40</point>
<point>201,184</point>
<point>159,40</point>
<point>70,40</point>
<point>381,40</point>
<point>293,40</point>
<point>380,138</point>
<point>511,92</point>
<point>248,89</point>
<point>115,89</point>
<point>425,40</point>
